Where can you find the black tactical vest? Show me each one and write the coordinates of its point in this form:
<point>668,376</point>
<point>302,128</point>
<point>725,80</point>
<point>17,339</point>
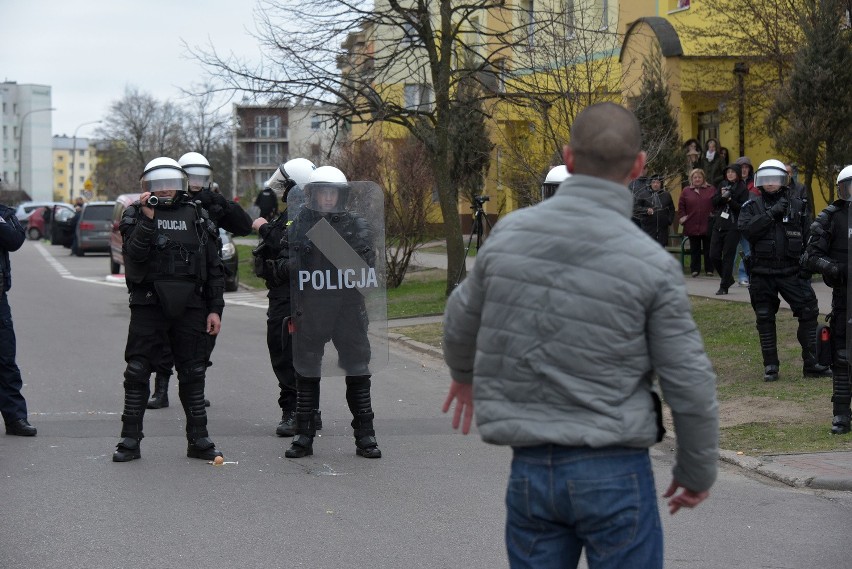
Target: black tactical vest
<point>178,248</point>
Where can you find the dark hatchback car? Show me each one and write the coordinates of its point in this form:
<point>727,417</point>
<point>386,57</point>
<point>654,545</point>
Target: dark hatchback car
<point>94,227</point>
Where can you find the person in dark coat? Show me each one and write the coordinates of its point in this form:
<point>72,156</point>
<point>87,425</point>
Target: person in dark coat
<point>657,210</point>
<point>711,163</point>
<point>267,202</point>
<point>727,201</point>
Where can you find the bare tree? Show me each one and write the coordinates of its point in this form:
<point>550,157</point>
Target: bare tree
<point>565,61</point>
<point>384,64</point>
<point>137,129</point>
<point>207,130</point>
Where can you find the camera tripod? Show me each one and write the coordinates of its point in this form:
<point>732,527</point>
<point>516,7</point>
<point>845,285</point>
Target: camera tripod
<point>480,220</point>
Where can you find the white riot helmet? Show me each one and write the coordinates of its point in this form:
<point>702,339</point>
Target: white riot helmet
<point>771,172</point>
<point>295,172</point>
<point>844,183</point>
<point>551,182</point>
<point>327,190</point>
<point>164,174</point>
<point>198,169</point>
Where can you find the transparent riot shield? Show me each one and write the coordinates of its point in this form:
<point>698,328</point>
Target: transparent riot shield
<point>338,279</point>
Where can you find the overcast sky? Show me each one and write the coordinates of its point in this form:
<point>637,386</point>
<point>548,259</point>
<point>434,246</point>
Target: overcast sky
<point>88,51</point>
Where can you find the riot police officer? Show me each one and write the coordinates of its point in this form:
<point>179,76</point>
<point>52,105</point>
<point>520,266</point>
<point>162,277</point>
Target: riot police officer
<point>223,213</point>
<point>551,182</point>
<point>273,238</point>
<point>775,224</point>
<point>329,305</point>
<point>176,283</point>
<point>827,253</point>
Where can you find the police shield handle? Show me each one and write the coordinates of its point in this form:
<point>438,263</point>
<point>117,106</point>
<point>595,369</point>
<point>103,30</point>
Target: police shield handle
<point>353,271</point>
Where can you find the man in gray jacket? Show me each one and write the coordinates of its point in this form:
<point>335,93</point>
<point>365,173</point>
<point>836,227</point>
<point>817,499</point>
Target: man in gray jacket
<point>556,335</point>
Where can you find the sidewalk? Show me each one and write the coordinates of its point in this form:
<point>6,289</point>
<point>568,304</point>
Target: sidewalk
<point>822,470</point>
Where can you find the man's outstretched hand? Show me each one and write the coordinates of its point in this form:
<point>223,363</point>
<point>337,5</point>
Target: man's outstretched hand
<point>462,393</point>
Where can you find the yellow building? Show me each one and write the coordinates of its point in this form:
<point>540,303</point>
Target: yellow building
<point>548,59</point>
<point>72,177</point>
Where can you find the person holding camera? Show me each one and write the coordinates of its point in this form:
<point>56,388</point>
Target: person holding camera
<point>273,239</point>
<point>776,226</point>
<point>223,213</point>
<point>176,283</point>
<point>13,406</point>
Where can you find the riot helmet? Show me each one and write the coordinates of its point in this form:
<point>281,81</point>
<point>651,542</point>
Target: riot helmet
<point>551,182</point>
<point>771,173</point>
<point>164,178</point>
<point>327,190</point>
<point>198,170</point>
<point>295,172</point>
<point>844,183</point>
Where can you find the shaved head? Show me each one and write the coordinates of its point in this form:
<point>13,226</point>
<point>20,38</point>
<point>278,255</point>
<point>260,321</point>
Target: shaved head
<point>605,141</point>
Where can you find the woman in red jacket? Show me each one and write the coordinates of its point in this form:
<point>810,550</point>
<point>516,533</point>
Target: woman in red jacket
<point>695,209</point>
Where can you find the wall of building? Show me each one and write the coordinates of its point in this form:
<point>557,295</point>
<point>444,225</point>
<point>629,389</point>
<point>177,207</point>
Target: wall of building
<point>26,130</point>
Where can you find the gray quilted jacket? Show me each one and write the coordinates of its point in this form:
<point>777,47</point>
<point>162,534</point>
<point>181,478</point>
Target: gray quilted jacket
<point>564,319</point>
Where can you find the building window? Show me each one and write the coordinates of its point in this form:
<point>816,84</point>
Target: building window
<point>267,153</point>
<point>61,172</point>
<point>418,97</point>
<point>604,14</point>
<point>82,165</point>
<point>526,24</point>
<point>267,126</point>
<point>61,185</point>
<point>570,22</point>
<point>315,122</point>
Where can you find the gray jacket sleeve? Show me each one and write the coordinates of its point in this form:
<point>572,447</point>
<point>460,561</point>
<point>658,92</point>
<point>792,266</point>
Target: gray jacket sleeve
<point>462,317</point>
<point>688,384</point>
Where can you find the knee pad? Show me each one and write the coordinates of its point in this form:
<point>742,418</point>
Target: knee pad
<point>193,374</point>
<point>809,312</point>
<point>764,314</point>
<point>137,371</point>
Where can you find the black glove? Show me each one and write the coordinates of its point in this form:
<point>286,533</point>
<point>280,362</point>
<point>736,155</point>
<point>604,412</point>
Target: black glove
<point>780,208</point>
<point>828,268</point>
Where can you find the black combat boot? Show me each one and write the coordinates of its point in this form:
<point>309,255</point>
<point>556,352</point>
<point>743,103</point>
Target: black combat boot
<point>306,404</point>
<point>358,398</point>
<point>769,350</point>
<point>135,396</point>
<point>841,423</point>
<point>199,444</point>
<point>807,334</point>
<point>160,398</point>
<point>287,426</point>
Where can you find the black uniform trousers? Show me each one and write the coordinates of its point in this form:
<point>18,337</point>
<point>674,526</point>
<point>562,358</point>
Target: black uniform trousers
<point>12,403</point>
<point>151,333</point>
<point>280,346</point>
<point>764,291</point>
<point>723,252</point>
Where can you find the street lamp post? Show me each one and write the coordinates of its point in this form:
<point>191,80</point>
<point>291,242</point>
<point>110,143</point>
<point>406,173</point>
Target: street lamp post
<point>21,145</point>
<point>740,71</point>
<point>73,164</point>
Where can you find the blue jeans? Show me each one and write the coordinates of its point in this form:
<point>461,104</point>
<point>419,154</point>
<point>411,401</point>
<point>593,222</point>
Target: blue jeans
<point>562,499</point>
<point>746,249</point>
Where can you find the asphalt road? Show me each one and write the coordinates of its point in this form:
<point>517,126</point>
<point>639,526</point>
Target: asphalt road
<point>434,500</point>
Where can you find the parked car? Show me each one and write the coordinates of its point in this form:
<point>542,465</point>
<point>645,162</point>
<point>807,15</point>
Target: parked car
<point>228,250</point>
<point>93,229</point>
<point>39,222</point>
<point>24,209</point>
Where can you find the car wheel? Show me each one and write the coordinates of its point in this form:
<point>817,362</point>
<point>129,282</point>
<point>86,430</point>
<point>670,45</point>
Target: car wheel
<point>114,268</point>
<point>33,233</point>
<point>231,285</point>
